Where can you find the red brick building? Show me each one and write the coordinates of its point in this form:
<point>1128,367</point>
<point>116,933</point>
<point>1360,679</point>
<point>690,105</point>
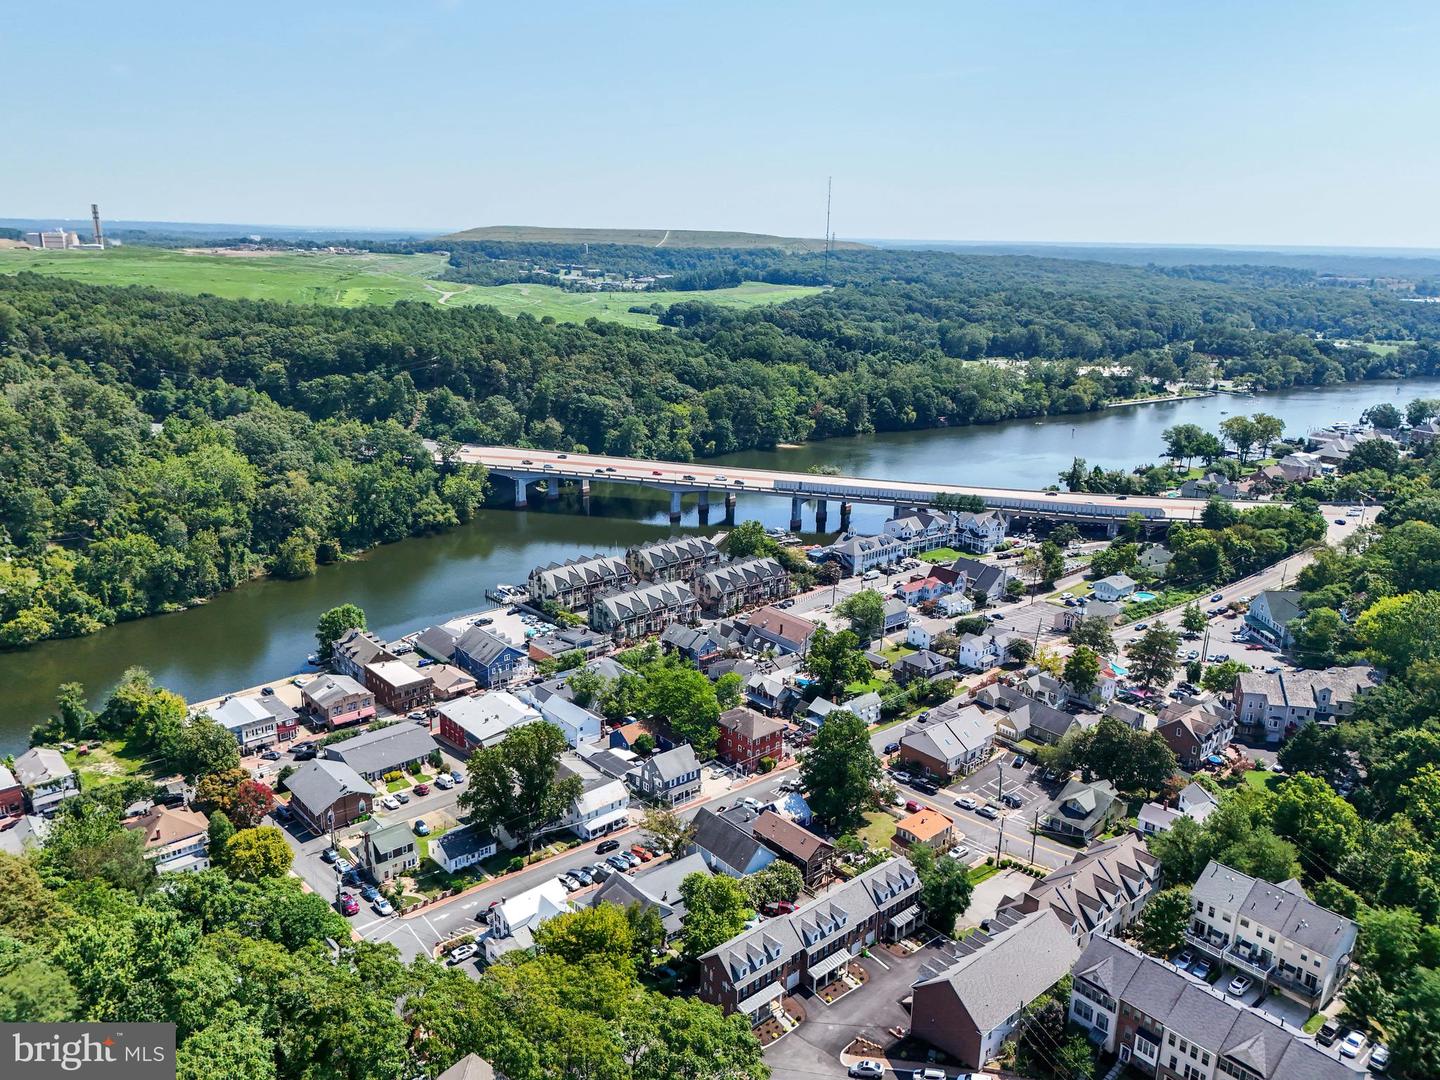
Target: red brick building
<point>746,736</point>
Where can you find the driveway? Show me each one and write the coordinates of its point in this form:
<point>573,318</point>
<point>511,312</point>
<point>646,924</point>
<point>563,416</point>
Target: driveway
<point>987,896</point>
<point>813,1049</point>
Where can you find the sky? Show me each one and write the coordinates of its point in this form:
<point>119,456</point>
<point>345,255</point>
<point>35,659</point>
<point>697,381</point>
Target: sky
<point>1263,122</point>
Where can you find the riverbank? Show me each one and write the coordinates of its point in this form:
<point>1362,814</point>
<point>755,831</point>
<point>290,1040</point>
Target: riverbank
<point>250,634</point>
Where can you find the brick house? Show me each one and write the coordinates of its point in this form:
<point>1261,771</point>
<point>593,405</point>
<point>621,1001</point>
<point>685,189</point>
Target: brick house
<point>398,686</point>
<point>746,736</point>
<point>810,854</point>
<point>323,789</point>
<point>337,700</point>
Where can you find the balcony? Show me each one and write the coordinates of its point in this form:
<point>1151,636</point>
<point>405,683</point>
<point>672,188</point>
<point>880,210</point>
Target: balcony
<point>1213,941</point>
<point>1287,982</point>
<point>1260,965</point>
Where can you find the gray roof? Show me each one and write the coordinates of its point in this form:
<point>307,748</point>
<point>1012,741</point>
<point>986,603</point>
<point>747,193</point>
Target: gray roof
<point>925,662</point>
<point>1203,1015</point>
<point>484,647</point>
<point>726,838</point>
<point>319,783</point>
<point>692,639</point>
<point>954,733</point>
<point>1302,689</point>
<point>460,842</point>
<point>737,575</point>
<point>1092,801</point>
<point>436,642</point>
<point>1283,908</point>
<point>656,886</point>
<point>581,572</point>
<point>387,837</point>
<point>633,603</point>
<point>984,577</point>
<point>660,555</point>
<point>470,1067</point>
<point>675,762</point>
<point>1118,582</point>
<point>361,647</point>
<point>1283,604</point>
<point>1008,967</point>
<point>749,723</point>
<point>41,765</point>
<point>331,688</point>
<point>382,750</point>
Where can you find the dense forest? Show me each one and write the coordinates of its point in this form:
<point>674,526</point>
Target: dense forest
<point>159,448</point>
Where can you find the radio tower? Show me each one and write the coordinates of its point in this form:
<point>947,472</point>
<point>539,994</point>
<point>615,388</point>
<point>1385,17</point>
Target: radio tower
<point>95,220</point>
<point>829,183</point>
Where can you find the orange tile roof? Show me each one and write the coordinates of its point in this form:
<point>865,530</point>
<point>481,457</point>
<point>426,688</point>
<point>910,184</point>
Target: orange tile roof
<point>925,824</point>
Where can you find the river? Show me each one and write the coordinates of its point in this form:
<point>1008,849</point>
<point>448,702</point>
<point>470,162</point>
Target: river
<point>265,629</point>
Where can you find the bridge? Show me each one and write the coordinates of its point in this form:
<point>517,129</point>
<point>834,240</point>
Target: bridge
<point>723,482</point>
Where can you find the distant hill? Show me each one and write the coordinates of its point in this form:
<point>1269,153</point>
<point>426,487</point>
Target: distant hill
<point>655,238</point>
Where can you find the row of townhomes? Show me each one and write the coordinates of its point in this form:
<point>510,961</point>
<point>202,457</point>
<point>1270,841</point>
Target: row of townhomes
<point>1274,706</point>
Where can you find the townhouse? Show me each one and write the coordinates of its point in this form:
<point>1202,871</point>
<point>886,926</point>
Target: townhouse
<point>733,586</point>
<point>356,648</point>
<point>575,583</point>
<point>921,530</point>
<point>1273,933</point>
<point>954,740</point>
<point>970,1008</point>
<point>491,659</point>
<point>636,613</point>
<point>1164,1024</point>
<point>337,700</point>
<point>701,645</point>
<point>1275,706</point>
<point>747,738</point>
<point>1270,613</point>
<point>670,778</point>
<point>809,946</point>
<point>797,845</point>
<point>398,686</point>
<point>980,533</point>
<point>678,559</point>
<point>1101,891</point>
<point>861,554</point>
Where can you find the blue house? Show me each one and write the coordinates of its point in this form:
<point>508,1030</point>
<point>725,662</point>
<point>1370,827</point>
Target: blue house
<point>491,659</point>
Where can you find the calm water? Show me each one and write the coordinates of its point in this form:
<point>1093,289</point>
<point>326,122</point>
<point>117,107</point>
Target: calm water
<point>265,629</point>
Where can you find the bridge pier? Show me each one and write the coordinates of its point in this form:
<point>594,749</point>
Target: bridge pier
<point>1112,529</point>
<point>844,517</point>
<point>521,483</point>
<point>821,513</point>
<point>900,510</point>
<point>552,489</point>
<point>729,508</point>
<point>675,507</point>
<point>704,508</point>
<point>795,504</point>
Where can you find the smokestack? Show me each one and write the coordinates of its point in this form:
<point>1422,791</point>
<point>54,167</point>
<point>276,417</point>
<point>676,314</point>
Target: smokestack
<point>95,218</point>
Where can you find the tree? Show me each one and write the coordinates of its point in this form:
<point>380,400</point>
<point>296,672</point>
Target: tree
<point>1241,433</point>
<point>243,800</point>
<point>202,747</point>
<point>945,887</point>
<point>748,540</point>
<point>1383,415</point>
<point>1152,657</point>
<point>254,854</point>
<point>715,911</point>
<point>218,835</point>
<point>1065,534</point>
<point>333,625</point>
<point>1192,619</point>
<point>516,785</point>
<point>1220,678</point>
<point>72,719</point>
<point>668,829</point>
<point>835,660</point>
<point>840,771</point>
<point>1268,429</point>
<point>586,686</point>
<point>1398,631</point>
<point>647,929</point>
<point>1094,632</point>
<point>1019,650</point>
<point>778,881</point>
<point>866,612</point>
<point>600,933</point>
<point>1317,635</point>
<point>1381,455</point>
<point>86,842</point>
<point>1160,930</point>
<point>1184,850</point>
<point>1082,669</point>
<point>680,698</point>
<point>1182,442</point>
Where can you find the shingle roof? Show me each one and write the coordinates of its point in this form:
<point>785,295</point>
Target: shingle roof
<point>634,603</point>
<point>436,642</point>
<point>1284,908</point>
<point>484,647</point>
<point>487,717</point>
<point>319,783</point>
<point>162,826</point>
<point>40,765</point>
<point>1085,891</point>
<point>659,555</point>
<point>1301,688</point>
<point>737,575</point>
<point>749,724</point>
<point>724,840</point>
<point>458,843</point>
<point>383,749</point>
<point>331,688</point>
<point>925,824</point>
<point>781,625</point>
<point>361,647</point>
<point>956,733</point>
<point>470,1067</point>
<point>675,762</point>
<point>241,712</point>
<point>783,835</point>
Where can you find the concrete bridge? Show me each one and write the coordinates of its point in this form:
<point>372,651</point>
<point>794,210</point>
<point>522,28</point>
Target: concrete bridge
<point>721,483</point>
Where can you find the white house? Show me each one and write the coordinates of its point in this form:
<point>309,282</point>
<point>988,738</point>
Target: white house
<point>175,840</point>
<point>47,780</point>
<point>579,725</point>
<point>956,603</point>
<point>513,921</point>
<point>1115,587</point>
<point>866,706</point>
<point>251,723</point>
<point>918,637</point>
<point>459,848</point>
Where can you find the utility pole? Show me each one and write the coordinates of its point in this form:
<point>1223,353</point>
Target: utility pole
<point>1000,842</point>
<point>1034,827</point>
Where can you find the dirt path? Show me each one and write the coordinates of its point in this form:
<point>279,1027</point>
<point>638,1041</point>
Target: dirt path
<point>664,238</point>
<point>442,293</point>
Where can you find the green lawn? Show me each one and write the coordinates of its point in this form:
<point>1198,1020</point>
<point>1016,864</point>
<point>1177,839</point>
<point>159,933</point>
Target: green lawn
<point>879,829</point>
<point>977,874</point>
<point>402,784</point>
<point>940,555</point>
<point>876,682</point>
<point>1262,779</point>
<point>894,652</point>
<point>359,280</point>
<point>113,761</point>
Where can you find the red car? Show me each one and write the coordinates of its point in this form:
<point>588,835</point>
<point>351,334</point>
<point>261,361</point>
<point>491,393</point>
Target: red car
<point>421,789</point>
<point>348,904</point>
<point>641,853</point>
<point>777,907</point>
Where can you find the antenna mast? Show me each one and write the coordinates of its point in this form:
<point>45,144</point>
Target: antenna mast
<point>829,183</point>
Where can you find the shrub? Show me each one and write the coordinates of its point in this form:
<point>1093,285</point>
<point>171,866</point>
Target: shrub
<point>517,863</point>
<point>767,763</point>
<point>393,775</point>
<point>416,768</point>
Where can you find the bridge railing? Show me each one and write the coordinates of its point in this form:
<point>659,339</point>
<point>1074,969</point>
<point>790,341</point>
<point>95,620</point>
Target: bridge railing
<point>1014,503</point>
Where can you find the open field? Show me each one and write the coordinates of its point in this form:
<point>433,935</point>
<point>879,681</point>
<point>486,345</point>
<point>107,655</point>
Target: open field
<point>670,238</point>
<point>358,280</point>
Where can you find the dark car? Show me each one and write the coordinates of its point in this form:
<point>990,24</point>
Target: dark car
<point>892,748</point>
<point>925,787</point>
<point>1328,1033</point>
<point>777,907</point>
<point>421,789</point>
<point>368,893</point>
<point>607,846</point>
<point>329,855</point>
<point>1012,800</point>
<point>271,755</point>
<point>304,752</point>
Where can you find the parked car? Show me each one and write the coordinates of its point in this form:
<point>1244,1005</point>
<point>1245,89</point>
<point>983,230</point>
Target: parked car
<point>867,1069</point>
<point>607,846</point>
<point>1019,762</point>
<point>1012,800</point>
<point>1328,1033</point>
<point>271,755</point>
<point>1217,598</point>
<point>1201,969</point>
<point>925,787</point>
<point>1353,1045</point>
<point>988,812</point>
<point>342,864</point>
<point>911,806</point>
<point>640,853</point>
<point>1185,959</point>
<point>304,752</point>
<point>582,875</point>
<point>777,907</point>
<point>569,882</point>
<point>352,877</point>
<point>389,802</point>
<point>382,906</point>
<point>958,852</point>
<point>402,796</point>
<point>461,953</point>
<point>421,789</point>
<point>348,904</point>
<point>1340,521</point>
<point>420,828</point>
<point>1142,626</point>
<point>619,862</point>
<point>599,871</point>
<point>443,782</point>
<point>368,892</point>
<point>929,1074</point>
<point>457,776</point>
<point>967,802</point>
<point>1379,1058</point>
<point>1239,986</point>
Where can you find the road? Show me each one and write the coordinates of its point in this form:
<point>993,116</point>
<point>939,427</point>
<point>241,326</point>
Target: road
<point>672,475</point>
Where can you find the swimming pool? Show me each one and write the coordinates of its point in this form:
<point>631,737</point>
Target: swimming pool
<point>1142,596</point>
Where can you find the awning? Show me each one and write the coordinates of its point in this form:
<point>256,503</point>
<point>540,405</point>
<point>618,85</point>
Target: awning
<point>760,997</point>
<point>604,821</point>
<point>834,962</point>
<point>905,918</point>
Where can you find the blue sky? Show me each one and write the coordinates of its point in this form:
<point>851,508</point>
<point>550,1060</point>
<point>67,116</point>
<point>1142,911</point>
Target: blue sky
<point>1087,120</point>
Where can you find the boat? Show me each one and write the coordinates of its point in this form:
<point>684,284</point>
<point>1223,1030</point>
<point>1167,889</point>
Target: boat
<point>506,594</point>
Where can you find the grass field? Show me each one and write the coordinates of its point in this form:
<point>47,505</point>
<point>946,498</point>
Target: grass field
<point>358,280</point>
<point>670,238</point>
